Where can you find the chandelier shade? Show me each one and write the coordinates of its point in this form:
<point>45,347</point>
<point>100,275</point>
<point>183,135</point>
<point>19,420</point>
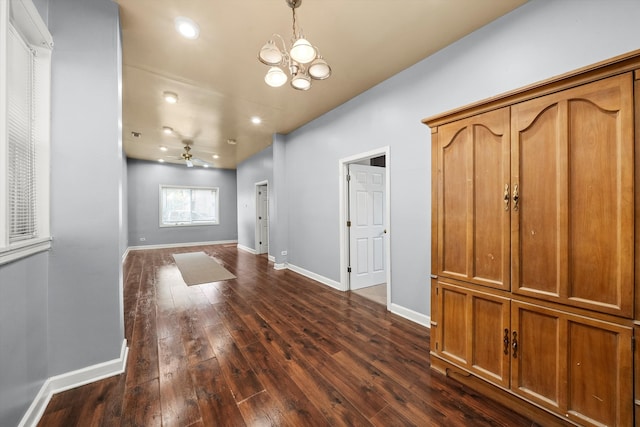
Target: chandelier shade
<point>270,54</point>
<point>303,61</point>
<point>301,81</point>
<point>275,77</point>
<point>302,52</point>
<point>319,69</point>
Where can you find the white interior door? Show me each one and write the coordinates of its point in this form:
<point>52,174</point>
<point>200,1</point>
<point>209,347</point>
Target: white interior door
<point>262,219</point>
<point>367,231</point>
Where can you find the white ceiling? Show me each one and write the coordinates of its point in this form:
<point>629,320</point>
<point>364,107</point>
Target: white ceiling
<point>220,82</point>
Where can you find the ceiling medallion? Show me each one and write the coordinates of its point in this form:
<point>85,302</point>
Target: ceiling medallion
<point>303,61</point>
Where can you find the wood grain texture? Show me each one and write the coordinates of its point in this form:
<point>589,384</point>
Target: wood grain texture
<point>270,348</point>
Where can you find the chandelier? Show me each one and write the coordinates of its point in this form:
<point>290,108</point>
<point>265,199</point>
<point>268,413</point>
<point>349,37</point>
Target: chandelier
<point>303,61</point>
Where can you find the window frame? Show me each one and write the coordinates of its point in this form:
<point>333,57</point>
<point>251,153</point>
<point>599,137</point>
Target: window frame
<point>22,17</point>
<point>161,222</point>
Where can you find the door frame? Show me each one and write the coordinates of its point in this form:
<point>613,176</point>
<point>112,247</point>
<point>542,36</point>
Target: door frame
<point>343,194</point>
<point>256,227</point>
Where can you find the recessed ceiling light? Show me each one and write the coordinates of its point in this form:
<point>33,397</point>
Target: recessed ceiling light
<point>170,97</point>
<point>163,148</point>
<point>205,165</point>
<point>161,160</point>
<point>231,141</point>
<point>256,120</point>
<point>215,156</point>
<point>187,27</point>
<point>167,130</point>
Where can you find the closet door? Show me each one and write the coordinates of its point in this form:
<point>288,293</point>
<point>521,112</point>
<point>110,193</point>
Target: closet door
<point>572,167</point>
<point>473,199</point>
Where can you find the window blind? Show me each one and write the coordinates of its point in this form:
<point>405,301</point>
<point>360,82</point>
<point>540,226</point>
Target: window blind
<point>21,145</point>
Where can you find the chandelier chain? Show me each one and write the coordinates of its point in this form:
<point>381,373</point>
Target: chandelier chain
<point>293,10</point>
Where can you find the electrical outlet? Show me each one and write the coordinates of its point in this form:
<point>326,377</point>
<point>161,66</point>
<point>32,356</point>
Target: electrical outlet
<point>283,253</point>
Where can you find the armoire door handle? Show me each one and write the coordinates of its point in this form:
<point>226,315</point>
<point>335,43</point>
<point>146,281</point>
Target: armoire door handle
<point>514,344</point>
<point>516,197</point>
<point>506,197</point>
<point>506,341</point>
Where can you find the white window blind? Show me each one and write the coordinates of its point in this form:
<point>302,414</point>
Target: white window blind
<point>21,171</point>
<point>25,110</point>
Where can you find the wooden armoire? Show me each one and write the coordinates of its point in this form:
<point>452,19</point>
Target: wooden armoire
<point>535,285</point>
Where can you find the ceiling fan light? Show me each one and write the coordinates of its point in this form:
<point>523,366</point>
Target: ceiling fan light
<point>319,69</point>
<point>302,51</point>
<point>270,54</point>
<point>275,77</point>
<point>301,82</point>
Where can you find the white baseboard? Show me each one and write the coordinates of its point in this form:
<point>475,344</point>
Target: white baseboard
<point>181,245</point>
<point>69,380</point>
<point>124,255</point>
<point>314,276</point>
<point>246,249</point>
<point>271,258</point>
<point>282,266</point>
<point>408,314</point>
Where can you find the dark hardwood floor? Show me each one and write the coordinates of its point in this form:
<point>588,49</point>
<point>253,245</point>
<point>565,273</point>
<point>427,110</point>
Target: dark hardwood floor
<point>270,348</point>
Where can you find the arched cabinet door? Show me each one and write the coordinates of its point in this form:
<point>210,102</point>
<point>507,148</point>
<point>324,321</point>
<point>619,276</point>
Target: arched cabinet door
<point>473,214</point>
<point>572,162</point>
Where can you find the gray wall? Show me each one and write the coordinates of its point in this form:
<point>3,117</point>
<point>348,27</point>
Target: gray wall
<point>539,40</point>
<point>61,310</point>
<point>258,168</point>
<point>85,304</point>
<point>144,180</point>
<point>279,203</point>
<point>23,335</point>
<point>255,169</point>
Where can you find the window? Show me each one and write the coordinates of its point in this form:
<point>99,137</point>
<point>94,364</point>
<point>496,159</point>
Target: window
<point>180,206</point>
<point>25,75</point>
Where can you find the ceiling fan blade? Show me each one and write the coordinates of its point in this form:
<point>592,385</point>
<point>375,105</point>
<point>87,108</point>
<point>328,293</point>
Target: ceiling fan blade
<point>189,164</point>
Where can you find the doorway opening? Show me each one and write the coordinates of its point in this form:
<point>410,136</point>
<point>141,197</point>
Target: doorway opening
<point>262,218</point>
<point>364,225</point>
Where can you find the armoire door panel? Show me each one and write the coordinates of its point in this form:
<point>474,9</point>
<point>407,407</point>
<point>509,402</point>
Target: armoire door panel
<point>455,156</point>
<point>601,197</point>
<point>473,220</point>
<point>489,246</point>
<point>573,365</point>
<point>453,328</point>
<point>599,372</point>
<point>470,331</point>
<point>490,323</point>
<point>536,163</point>
<point>636,375</point>
<point>572,238</point>
<point>536,365</point>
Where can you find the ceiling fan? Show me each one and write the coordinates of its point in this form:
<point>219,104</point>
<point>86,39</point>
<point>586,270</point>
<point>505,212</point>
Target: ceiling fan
<point>187,155</point>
